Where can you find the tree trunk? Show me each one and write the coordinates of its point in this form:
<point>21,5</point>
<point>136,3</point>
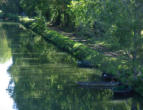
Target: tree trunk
<point>135,54</point>
<point>57,21</point>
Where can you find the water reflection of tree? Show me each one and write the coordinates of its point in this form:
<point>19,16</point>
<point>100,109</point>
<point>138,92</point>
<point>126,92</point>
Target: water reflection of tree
<point>137,103</point>
<point>5,51</point>
<point>45,78</point>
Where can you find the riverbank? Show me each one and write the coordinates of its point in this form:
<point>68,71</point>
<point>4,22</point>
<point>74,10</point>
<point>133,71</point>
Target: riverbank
<point>109,64</point>
<point>43,73</point>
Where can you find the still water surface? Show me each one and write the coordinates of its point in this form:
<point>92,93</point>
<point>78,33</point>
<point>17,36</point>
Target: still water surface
<point>35,75</point>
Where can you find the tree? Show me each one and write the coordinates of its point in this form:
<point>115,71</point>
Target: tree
<point>127,30</point>
<point>121,22</point>
<point>10,6</point>
<point>56,11</point>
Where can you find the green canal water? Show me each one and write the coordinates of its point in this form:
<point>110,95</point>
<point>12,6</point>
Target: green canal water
<point>36,75</point>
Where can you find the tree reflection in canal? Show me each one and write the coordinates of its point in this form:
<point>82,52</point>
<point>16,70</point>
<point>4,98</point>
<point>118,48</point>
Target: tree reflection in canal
<point>7,102</point>
<point>5,51</point>
<point>45,78</point>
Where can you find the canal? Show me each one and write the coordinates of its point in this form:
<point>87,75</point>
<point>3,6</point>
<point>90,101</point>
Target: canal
<point>36,75</point>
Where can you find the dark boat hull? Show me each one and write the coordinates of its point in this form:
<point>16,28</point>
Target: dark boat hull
<point>123,91</point>
<point>98,84</point>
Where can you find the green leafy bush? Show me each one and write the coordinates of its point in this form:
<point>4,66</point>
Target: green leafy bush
<point>39,25</point>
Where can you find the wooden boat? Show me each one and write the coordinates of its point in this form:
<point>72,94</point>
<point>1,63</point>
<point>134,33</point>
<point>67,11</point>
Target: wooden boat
<point>122,89</point>
<point>108,77</point>
<point>84,64</point>
<point>98,84</point>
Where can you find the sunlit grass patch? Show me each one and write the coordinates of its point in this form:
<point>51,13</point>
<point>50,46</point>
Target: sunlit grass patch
<point>25,19</point>
<point>77,45</point>
<point>142,33</point>
<point>103,43</point>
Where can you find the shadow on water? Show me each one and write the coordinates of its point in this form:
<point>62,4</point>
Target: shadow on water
<point>45,78</point>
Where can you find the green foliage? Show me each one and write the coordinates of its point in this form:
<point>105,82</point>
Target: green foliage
<point>11,17</point>
<point>120,21</point>
<point>39,25</point>
<point>10,6</point>
<point>55,11</point>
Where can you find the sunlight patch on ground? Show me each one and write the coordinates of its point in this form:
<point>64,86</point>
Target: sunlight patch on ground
<point>25,18</point>
<point>141,32</point>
